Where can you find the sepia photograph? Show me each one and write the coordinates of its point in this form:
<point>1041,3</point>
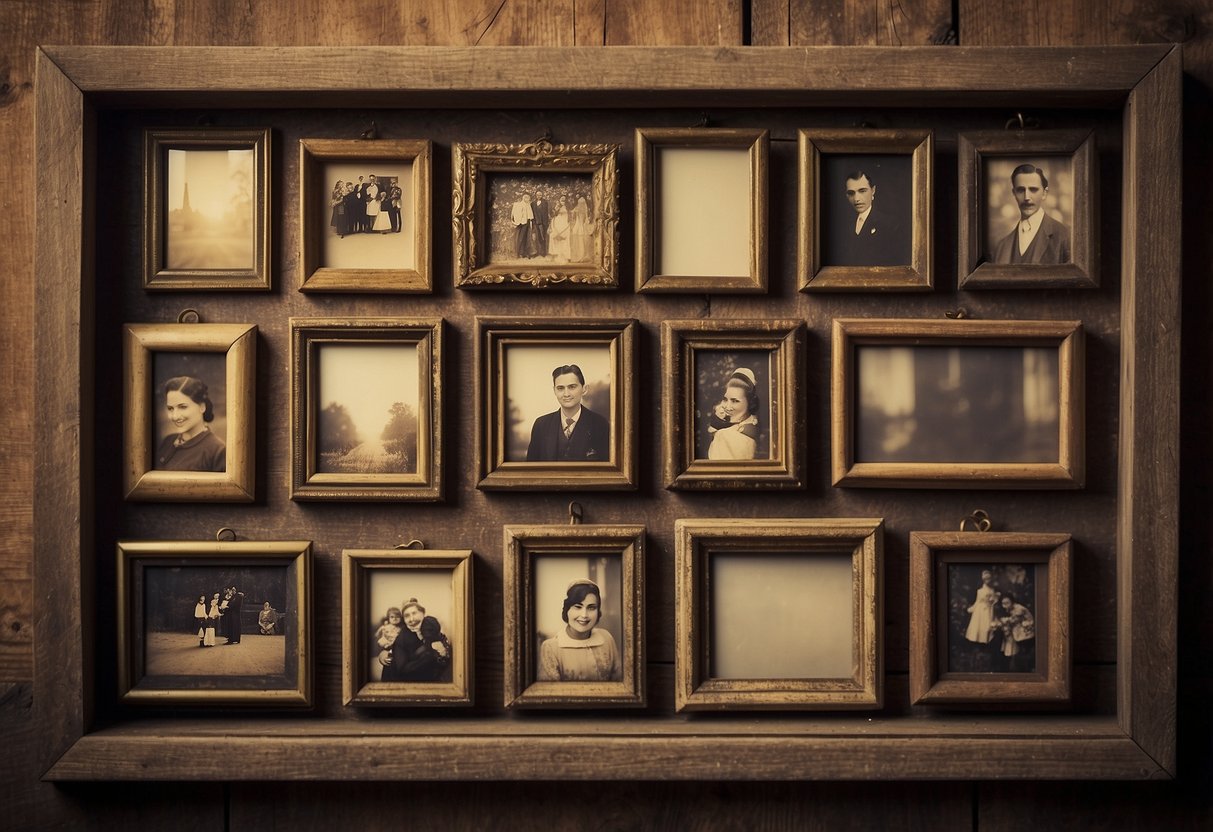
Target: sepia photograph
<point>578,607</point>
<point>558,403</point>
<point>1029,208</point>
<point>733,404</point>
<point>192,418</point>
<point>991,626</point>
<point>408,640</point>
<point>867,209</point>
<point>541,218</point>
<point>368,209</point>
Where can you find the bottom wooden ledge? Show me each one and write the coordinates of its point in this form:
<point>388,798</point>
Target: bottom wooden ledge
<point>1035,748</point>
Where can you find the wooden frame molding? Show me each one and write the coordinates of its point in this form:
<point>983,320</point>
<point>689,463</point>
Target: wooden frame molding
<point>1142,83</point>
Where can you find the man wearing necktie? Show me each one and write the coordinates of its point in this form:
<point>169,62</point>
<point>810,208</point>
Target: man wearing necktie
<point>1037,239</point>
<point>876,238</point>
<point>573,433</point>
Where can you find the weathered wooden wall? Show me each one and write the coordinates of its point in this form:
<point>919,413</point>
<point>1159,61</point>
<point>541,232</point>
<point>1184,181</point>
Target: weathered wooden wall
<point>27,803</point>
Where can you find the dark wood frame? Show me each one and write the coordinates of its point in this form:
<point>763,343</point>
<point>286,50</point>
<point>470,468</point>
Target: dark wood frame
<point>930,683</point>
<point>1142,83</point>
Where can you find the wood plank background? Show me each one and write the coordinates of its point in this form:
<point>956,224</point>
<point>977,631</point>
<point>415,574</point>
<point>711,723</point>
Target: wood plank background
<point>1184,804</point>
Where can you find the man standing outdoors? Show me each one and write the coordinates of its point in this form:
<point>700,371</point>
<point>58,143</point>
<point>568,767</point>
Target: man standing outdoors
<point>1037,239</point>
<point>573,433</point>
<point>522,216</point>
<point>233,611</point>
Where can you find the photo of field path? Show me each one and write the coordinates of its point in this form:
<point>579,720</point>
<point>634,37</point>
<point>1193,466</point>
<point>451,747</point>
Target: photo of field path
<point>369,397</point>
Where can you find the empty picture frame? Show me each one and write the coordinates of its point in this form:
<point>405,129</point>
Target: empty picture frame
<point>188,405</point>
<point>989,618</point>
<point>206,210</point>
<point>733,403</point>
<point>865,205</point>
<point>701,209</point>
<point>574,616</point>
<point>1027,209</point>
<point>953,403</point>
<point>406,625</point>
<point>213,623</point>
<point>816,586</point>
<point>366,409</point>
<point>536,215</point>
<point>364,218</point>
<point>533,376</point>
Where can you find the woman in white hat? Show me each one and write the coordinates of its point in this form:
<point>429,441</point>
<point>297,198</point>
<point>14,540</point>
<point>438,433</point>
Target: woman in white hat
<point>739,439</point>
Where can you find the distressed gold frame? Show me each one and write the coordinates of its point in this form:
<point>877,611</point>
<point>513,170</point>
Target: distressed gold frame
<point>356,568</point>
<point>975,272</point>
<point>915,276</point>
<point>1068,471</point>
<point>930,683</point>
<point>314,277</point>
<point>696,541</point>
<point>649,141</point>
<point>469,201</point>
<point>143,483</point>
<point>521,546</point>
<point>157,276</point>
<point>680,339</point>
<point>307,335</point>
<point>496,335</point>
<point>293,555</point>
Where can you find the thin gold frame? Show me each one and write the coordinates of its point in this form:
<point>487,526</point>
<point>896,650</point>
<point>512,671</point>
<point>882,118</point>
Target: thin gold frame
<point>785,339</point>
<point>648,235</point>
<point>978,273</point>
<point>697,540</point>
<point>469,200</point>
<point>522,545</point>
<point>307,335</point>
<point>494,336</point>
<point>356,568</point>
<point>293,555</point>
<point>930,552</point>
<point>313,153</point>
<point>156,276</point>
<point>915,276</point>
<point>1066,336</point>
<point>140,481</point>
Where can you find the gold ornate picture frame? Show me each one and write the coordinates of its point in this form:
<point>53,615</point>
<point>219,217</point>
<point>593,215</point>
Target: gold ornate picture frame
<point>538,215</point>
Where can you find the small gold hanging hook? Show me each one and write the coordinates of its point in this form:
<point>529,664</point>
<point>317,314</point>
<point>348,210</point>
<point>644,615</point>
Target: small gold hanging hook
<point>979,519</point>
<point>575,513</point>
<point>412,544</point>
<point>189,316</point>
<point>230,532</point>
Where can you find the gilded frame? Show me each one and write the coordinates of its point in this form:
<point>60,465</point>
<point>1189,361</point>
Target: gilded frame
<point>1067,471</point>
<point>917,274</point>
<point>357,568</point>
<point>141,481</point>
<point>495,337</point>
<point>681,340</point>
<point>294,556</point>
<point>649,142</point>
<point>473,163</point>
<point>697,541</point>
<point>308,482</point>
<point>258,277</point>
<point>974,269</point>
<point>525,544</point>
<point>930,682</point>
<point>417,154</point>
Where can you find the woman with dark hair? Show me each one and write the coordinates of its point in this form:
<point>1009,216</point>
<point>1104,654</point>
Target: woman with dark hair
<point>735,435</point>
<point>193,447</point>
<point>583,652</point>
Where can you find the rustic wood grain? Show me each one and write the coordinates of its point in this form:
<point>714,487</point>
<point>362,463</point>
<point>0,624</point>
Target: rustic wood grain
<point>673,23</point>
<point>867,22</point>
<point>1078,22</point>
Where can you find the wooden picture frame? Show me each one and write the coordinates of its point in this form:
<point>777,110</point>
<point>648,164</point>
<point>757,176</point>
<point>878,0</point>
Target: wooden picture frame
<point>159,663</point>
<point>892,251</point>
<point>1059,257</point>
<point>518,443</point>
<point>1022,654</point>
<point>330,227</point>
<point>205,467</point>
<point>759,450</point>
<point>547,568</point>
<point>333,457</point>
<point>491,181</point>
<point>876,440</point>
<point>716,560</point>
<point>439,579</point>
<point>672,178</point>
<point>219,240</point>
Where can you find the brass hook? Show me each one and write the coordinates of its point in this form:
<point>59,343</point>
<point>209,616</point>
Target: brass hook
<point>575,513</point>
<point>371,133</point>
<point>979,519</point>
<point>957,314</point>
<point>189,316</point>
<point>410,545</point>
<point>219,534</point>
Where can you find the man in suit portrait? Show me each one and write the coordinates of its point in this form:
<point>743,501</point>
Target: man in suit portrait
<point>877,236</point>
<point>574,433</point>
<point>1037,239</point>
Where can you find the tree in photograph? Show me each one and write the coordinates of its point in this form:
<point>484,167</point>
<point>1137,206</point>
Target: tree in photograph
<point>400,434</point>
<point>338,433</point>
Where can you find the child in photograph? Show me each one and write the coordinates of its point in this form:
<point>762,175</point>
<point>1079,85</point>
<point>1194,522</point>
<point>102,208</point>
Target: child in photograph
<point>438,647</point>
<point>981,613</point>
<point>212,621</point>
<point>200,619</point>
<point>1018,628</point>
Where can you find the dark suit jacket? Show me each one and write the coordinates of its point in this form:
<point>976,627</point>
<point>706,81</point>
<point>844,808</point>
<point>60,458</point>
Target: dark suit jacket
<point>1051,246</point>
<point>882,241</point>
<point>590,442</point>
<point>407,665</point>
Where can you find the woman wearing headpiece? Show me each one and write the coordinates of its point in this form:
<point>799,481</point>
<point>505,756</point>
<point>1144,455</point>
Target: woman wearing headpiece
<point>583,651</point>
<point>735,427</point>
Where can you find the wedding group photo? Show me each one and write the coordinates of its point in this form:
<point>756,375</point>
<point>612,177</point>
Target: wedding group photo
<point>541,218</point>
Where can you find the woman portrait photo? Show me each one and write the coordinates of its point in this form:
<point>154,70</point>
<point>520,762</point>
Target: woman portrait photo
<point>189,421</point>
<point>733,404</point>
<point>582,651</point>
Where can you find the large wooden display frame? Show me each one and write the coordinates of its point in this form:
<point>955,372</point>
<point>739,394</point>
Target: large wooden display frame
<point>1138,742</point>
